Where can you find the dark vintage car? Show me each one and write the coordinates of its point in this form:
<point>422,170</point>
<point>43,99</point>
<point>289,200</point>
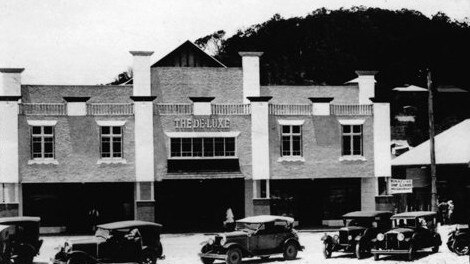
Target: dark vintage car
<point>359,230</point>
<point>118,242</point>
<point>6,232</point>
<point>25,242</point>
<point>412,231</point>
<point>262,236</point>
<point>459,240</point>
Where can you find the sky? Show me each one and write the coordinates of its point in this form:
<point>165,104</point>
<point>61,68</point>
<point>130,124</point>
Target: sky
<point>87,41</point>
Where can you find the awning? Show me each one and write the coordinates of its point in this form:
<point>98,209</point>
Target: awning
<point>411,88</point>
<point>451,146</point>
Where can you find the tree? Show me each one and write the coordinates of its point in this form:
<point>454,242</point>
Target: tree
<point>211,43</point>
<point>123,77</point>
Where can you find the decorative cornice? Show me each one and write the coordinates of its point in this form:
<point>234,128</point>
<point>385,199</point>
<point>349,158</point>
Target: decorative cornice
<point>201,99</point>
<point>10,98</point>
<point>321,99</point>
<point>141,53</point>
<point>11,70</point>
<point>143,98</point>
<point>259,98</point>
<point>250,53</point>
<point>76,99</point>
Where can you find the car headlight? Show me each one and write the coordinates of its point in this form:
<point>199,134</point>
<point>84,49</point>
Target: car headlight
<point>380,237</point>
<point>210,241</point>
<point>400,237</point>
<point>335,237</point>
<point>349,237</point>
<point>223,240</point>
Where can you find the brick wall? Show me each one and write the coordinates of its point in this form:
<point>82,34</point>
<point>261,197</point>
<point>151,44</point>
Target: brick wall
<point>77,150</point>
<point>345,94</point>
<point>55,93</point>
<point>321,150</point>
<point>176,85</point>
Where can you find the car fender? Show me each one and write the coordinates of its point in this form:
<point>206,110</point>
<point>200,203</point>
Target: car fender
<point>230,245</point>
<point>438,237</point>
<point>327,239</point>
<point>295,241</point>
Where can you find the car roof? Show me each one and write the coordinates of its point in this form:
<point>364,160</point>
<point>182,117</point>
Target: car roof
<point>128,224</point>
<point>19,219</point>
<point>265,219</point>
<point>411,215</point>
<point>367,214</point>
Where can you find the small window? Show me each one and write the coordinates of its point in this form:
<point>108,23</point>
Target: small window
<point>291,141</point>
<point>111,142</point>
<point>42,142</point>
<point>352,140</point>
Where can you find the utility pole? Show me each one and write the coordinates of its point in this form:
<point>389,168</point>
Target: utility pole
<point>431,143</point>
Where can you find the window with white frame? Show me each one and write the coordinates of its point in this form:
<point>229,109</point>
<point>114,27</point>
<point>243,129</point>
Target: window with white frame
<point>204,147</point>
<point>111,142</point>
<point>352,140</point>
<point>291,140</point>
<point>42,142</point>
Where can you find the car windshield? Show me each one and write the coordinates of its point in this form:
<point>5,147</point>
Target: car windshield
<point>247,226</point>
<point>104,233</point>
<point>404,222</point>
<point>359,222</point>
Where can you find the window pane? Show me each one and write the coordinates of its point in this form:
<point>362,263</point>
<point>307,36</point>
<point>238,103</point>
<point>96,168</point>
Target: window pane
<point>117,148</point>
<point>36,150</point>
<point>296,147</point>
<point>219,147</point>
<point>229,147</point>
<point>117,130</point>
<point>197,147</point>
<point>186,147</point>
<point>356,129</point>
<point>105,149</point>
<point>36,139</point>
<point>48,147</point>
<point>208,147</point>
<point>286,146</point>
<point>346,145</point>
<point>175,146</point>
<point>285,129</point>
<point>36,130</point>
<point>48,130</point>
<point>357,145</point>
<point>105,130</point>
<point>346,129</point>
<point>296,129</point>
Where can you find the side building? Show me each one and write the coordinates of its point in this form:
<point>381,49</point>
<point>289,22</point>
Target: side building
<point>188,139</point>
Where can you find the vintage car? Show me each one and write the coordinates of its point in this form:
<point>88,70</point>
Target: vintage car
<point>412,231</point>
<point>6,232</point>
<point>359,229</point>
<point>25,242</point>
<point>459,240</point>
<point>118,242</point>
<point>262,236</point>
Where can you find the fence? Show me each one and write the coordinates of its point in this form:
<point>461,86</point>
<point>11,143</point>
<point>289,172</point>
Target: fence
<point>48,109</point>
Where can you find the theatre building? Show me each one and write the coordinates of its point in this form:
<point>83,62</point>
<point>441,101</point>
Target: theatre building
<point>186,140</point>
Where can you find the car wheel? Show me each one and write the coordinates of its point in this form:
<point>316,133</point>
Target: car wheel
<point>78,260</point>
<point>460,247</point>
<point>234,256</point>
<point>327,251</point>
<point>290,251</point>
<point>149,257</point>
<point>376,257</point>
<point>359,251</point>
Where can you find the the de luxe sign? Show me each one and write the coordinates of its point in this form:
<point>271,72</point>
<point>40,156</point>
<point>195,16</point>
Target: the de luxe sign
<point>401,186</point>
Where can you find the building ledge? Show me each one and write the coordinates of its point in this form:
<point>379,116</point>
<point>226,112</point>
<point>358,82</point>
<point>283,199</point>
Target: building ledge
<point>291,159</point>
<point>352,158</point>
<point>112,161</point>
<point>43,161</point>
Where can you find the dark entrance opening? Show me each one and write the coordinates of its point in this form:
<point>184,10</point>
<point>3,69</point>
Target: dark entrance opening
<point>198,205</point>
<point>311,201</point>
<point>69,205</point>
